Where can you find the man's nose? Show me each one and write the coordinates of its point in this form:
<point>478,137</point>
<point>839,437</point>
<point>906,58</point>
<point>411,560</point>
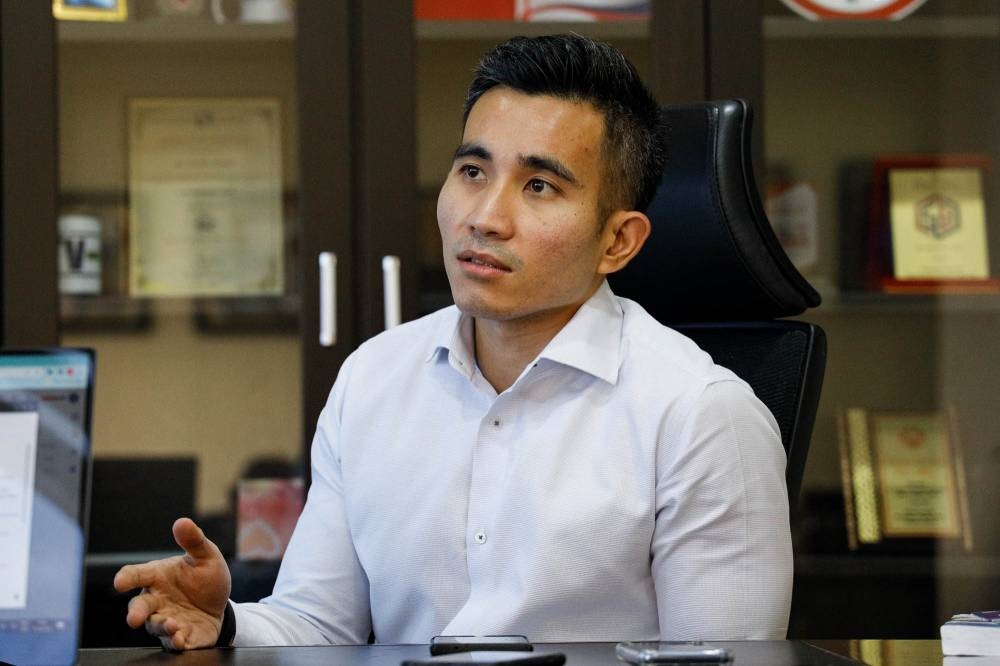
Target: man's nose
<point>493,214</point>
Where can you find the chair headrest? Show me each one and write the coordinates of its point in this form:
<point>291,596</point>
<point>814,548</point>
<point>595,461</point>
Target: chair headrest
<point>712,255</point>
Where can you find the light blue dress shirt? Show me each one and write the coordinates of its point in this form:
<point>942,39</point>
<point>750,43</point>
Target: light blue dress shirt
<point>624,487</point>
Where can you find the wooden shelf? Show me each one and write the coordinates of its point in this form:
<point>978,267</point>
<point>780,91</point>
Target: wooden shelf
<point>197,30</point>
<point>786,27</point>
<point>909,566</point>
<point>501,29</point>
<point>166,30</point>
<point>124,314</point>
<point>859,302</point>
<point>105,314</point>
<point>775,27</point>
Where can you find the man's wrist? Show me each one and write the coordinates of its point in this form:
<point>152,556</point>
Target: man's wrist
<point>227,632</point>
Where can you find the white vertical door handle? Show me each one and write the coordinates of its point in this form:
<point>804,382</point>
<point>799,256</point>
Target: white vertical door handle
<point>327,299</point>
<point>390,291</point>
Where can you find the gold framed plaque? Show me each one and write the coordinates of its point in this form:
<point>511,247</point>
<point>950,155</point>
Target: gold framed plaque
<point>929,217</point>
<point>90,10</point>
<point>903,478</point>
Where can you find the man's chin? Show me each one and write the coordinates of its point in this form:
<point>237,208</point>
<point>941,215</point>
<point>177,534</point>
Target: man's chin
<point>477,309</point>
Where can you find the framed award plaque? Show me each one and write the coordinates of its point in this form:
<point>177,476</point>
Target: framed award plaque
<point>927,229</point>
<point>903,478</point>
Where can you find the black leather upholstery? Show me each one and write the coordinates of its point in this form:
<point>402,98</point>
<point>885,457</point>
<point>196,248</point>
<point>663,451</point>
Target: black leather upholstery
<point>712,255</point>
<point>714,270</point>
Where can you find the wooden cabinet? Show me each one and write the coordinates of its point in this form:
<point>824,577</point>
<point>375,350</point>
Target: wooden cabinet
<point>837,97</point>
<point>228,381</point>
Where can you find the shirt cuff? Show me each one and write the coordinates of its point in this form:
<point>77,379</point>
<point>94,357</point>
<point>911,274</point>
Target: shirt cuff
<point>228,630</point>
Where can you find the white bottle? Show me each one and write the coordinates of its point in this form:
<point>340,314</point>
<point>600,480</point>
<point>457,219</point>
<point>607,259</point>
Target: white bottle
<point>79,254</point>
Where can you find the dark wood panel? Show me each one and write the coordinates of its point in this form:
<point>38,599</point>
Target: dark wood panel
<point>385,149</point>
<point>735,46</point>
<point>325,192</point>
<point>28,288</point>
<point>677,40</point>
<point>358,172</point>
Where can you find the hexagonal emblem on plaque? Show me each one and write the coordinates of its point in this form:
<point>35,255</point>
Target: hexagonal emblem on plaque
<point>938,215</point>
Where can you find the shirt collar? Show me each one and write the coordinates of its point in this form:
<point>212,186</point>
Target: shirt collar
<point>453,341</point>
<point>590,341</point>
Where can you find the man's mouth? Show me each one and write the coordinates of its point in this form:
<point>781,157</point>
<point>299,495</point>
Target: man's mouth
<point>484,260</point>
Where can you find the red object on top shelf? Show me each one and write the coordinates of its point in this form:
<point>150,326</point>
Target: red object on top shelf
<point>502,10</point>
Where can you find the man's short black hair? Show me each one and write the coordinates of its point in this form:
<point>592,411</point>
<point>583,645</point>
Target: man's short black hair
<point>581,69</point>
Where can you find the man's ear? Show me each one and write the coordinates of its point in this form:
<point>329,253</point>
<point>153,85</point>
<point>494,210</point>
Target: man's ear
<point>625,233</point>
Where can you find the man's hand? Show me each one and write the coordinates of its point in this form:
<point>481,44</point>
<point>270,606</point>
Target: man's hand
<point>183,598</point>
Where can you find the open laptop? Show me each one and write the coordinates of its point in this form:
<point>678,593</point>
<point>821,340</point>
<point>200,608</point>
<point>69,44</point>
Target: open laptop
<point>45,412</point>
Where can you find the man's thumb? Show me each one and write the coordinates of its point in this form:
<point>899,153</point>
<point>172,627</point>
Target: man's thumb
<point>192,539</point>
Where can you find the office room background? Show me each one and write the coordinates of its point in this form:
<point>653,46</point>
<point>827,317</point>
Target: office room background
<point>210,365</point>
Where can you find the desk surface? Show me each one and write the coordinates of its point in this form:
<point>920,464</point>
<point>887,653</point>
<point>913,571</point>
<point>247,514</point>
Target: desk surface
<point>746,653</point>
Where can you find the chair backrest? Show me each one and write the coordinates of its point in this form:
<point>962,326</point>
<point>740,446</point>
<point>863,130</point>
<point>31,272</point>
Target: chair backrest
<point>783,361</point>
<point>714,270</point>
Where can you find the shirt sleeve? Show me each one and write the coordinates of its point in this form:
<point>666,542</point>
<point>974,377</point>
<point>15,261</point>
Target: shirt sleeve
<point>321,593</point>
<point>721,548</point>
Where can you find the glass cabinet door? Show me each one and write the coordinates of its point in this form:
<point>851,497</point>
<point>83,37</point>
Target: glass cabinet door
<point>881,142</point>
<point>179,259</point>
<point>178,251</point>
<point>210,151</point>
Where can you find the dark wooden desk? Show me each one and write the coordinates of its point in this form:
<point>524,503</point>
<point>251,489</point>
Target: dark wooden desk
<point>746,653</point>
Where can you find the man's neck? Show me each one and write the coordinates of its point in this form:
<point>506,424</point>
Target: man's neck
<point>504,348</point>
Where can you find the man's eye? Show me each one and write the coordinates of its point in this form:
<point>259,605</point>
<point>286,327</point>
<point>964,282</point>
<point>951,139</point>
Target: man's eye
<point>539,186</point>
<point>471,171</point>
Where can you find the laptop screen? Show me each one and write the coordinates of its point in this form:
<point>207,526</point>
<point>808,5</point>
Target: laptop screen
<point>45,407</point>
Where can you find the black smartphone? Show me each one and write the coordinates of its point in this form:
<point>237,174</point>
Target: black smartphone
<point>507,643</point>
<point>501,658</point>
<point>672,653</point>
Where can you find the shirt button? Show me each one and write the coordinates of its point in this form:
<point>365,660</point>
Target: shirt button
<point>480,537</point>
<point>497,423</point>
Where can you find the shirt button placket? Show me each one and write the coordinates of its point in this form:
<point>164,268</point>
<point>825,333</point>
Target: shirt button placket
<point>489,466</point>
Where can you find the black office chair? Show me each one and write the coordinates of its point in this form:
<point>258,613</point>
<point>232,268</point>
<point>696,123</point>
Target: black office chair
<point>714,270</point>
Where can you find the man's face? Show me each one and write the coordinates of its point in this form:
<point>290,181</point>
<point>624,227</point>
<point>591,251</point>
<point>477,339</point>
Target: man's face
<point>518,212</point>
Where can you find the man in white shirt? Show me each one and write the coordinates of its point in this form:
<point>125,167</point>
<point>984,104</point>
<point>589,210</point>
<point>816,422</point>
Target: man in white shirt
<point>542,458</point>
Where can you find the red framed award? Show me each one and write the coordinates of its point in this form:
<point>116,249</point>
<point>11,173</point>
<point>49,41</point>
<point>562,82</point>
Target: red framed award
<point>927,227</point>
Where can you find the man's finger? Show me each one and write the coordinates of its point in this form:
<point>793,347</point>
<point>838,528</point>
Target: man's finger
<point>140,609</point>
<point>156,626</point>
<point>131,576</point>
<point>171,625</point>
<point>178,639</point>
<point>194,542</point>
<point>168,644</point>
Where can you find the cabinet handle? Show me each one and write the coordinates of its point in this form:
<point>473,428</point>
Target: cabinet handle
<point>327,299</point>
<point>390,291</point>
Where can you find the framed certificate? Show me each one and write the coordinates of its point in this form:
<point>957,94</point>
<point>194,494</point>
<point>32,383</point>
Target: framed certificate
<point>205,185</point>
<point>928,225</point>
<point>903,479</point>
<point>90,10</point>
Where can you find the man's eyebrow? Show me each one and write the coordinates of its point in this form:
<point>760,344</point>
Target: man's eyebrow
<point>549,164</point>
<point>539,162</point>
<point>472,150</point>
